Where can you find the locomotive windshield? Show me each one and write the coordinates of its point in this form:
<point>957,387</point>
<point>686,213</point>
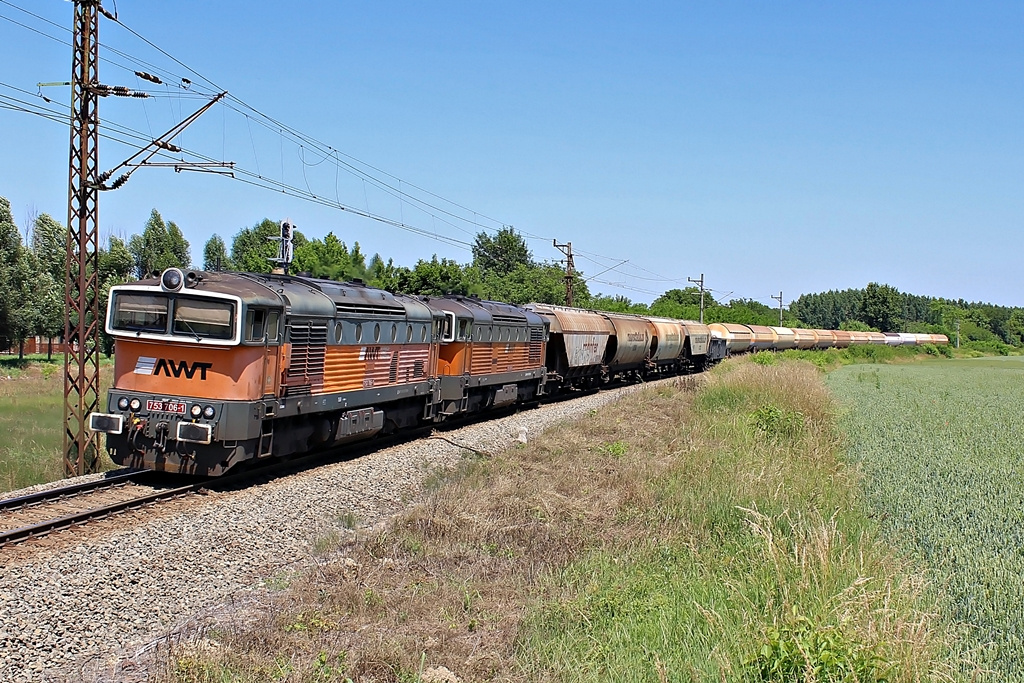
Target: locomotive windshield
<point>203,318</point>
<point>140,313</point>
<point>176,316</point>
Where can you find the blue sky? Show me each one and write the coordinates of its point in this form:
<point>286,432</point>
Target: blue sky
<point>793,146</point>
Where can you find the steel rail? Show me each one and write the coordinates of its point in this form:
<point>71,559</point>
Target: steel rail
<point>43,528</point>
<point>71,491</point>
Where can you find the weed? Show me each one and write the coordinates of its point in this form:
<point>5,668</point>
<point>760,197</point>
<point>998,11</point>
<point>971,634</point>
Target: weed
<point>616,449</point>
<point>348,520</point>
<point>776,422</point>
<point>801,650</point>
<point>764,358</point>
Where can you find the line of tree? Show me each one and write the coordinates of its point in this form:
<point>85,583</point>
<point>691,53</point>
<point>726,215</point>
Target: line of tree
<point>33,274</point>
<point>503,268</point>
<point>884,308</point>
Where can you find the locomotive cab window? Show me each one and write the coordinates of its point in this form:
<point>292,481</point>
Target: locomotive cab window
<point>203,318</point>
<point>465,329</point>
<point>140,313</point>
<point>448,331</point>
<point>273,323</point>
<point>255,324</point>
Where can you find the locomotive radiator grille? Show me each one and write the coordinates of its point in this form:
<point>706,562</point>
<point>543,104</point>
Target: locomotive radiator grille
<point>306,363</point>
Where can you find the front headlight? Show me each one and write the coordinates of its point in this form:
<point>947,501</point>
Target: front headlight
<point>122,403</point>
<point>136,404</point>
<point>208,412</point>
<point>196,410</point>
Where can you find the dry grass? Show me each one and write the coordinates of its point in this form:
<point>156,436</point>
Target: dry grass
<point>667,533</point>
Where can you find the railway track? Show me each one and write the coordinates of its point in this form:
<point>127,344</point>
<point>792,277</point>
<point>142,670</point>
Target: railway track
<point>38,514</point>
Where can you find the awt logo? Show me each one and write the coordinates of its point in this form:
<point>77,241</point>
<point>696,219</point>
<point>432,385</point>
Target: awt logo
<point>171,368</point>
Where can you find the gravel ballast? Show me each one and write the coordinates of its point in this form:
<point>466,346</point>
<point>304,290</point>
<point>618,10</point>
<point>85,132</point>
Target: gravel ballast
<point>87,609</point>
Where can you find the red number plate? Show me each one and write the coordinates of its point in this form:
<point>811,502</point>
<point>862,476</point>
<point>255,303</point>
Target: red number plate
<point>166,406</point>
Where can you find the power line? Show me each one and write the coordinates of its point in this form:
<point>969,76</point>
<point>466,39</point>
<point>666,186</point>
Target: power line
<point>380,179</point>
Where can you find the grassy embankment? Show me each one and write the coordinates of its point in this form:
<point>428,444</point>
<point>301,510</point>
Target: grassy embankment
<point>32,421</point>
<point>680,534</point>
<point>940,445</point>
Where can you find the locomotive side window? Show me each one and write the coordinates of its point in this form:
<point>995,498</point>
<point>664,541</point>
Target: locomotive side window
<point>272,326</point>
<point>464,329</point>
<point>448,331</point>
<point>201,318</point>
<point>359,332</point>
<point>376,332</point>
<point>255,324</point>
<point>423,333</point>
<point>408,334</point>
<point>140,313</point>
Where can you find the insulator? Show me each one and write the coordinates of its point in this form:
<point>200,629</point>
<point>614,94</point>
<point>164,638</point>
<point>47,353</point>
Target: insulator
<point>103,177</point>
<point>121,91</point>
<point>140,95</point>
<point>108,15</point>
<point>186,83</point>
<point>166,145</point>
<point>149,77</point>
<point>121,180</point>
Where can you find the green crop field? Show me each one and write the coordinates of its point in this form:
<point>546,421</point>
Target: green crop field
<point>940,444</point>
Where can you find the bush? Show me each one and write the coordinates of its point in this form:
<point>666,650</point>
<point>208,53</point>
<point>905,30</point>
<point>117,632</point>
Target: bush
<point>777,422</point>
<point>763,358</point>
<point>992,347</point>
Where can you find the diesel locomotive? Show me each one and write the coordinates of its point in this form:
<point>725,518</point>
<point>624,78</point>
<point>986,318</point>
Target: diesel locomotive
<point>214,369</point>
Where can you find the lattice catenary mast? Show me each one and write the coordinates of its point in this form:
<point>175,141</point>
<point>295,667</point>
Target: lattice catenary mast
<point>81,297</point>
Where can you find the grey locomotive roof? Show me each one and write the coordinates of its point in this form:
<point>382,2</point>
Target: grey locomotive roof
<point>485,312</point>
<point>251,292</point>
<point>327,298</point>
<point>461,306</point>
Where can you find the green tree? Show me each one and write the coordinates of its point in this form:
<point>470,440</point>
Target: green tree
<point>159,246</point>
<point>116,267</point>
<point>215,254</point>
<point>881,307</point>
<point>25,313</point>
<point>330,258</point>
<point>10,246</point>
<point>49,244</point>
<point>436,278</point>
<point>502,253</point>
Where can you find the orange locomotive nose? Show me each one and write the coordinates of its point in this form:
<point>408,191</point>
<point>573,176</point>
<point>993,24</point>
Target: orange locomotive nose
<point>233,373</point>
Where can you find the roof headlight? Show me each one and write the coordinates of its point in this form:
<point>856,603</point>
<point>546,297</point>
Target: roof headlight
<point>122,403</point>
<point>136,404</point>
<point>172,279</point>
<point>209,412</point>
<point>197,410</point>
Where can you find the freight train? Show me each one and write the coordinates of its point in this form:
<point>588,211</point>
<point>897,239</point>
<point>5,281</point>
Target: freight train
<point>215,369</point>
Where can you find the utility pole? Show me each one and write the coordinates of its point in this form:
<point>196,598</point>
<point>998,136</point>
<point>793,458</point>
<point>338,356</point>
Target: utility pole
<point>779,299</point>
<point>958,334</point>
<point>81,296</point>
<point>81,286</point>
<point>701,283</point>
<point>569,269</point>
